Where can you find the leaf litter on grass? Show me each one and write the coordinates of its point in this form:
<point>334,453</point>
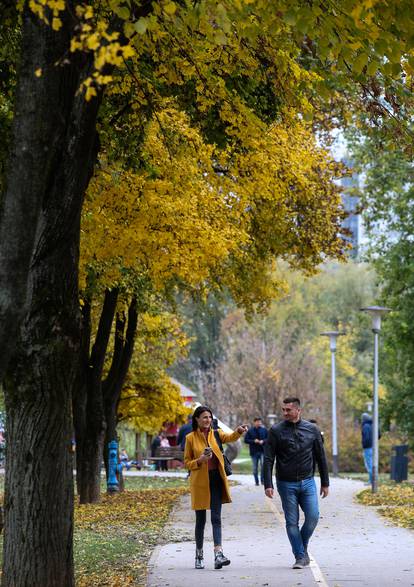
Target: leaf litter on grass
<point>114,538</point>
<point>395,502</point>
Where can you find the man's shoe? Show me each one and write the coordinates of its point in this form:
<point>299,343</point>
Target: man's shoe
<point>199,559</point>
<point>306,558</point>
<point>300,563</point>
<point>220,560</point>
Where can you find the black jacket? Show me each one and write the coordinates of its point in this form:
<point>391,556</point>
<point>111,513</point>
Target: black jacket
<point>296,448</point>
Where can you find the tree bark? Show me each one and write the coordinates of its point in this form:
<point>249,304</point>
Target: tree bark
<point>52,156</point>
<point>123,350</point>
<point>88,405</point>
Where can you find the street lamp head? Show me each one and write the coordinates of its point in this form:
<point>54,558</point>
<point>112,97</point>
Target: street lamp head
<point>333,335</point>
<point>376,312</point>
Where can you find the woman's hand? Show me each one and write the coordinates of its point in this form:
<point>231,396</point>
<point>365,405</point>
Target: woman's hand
<point>206,456</point>
<point>242,429</point>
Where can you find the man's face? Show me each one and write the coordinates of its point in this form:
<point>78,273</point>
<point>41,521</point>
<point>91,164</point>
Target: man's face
<point>257,423</point>
<point>291,412</point>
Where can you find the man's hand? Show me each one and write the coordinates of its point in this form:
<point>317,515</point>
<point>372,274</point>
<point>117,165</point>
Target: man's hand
<point>324,492</point>
<point>242,429</point>
<point>269,492</point>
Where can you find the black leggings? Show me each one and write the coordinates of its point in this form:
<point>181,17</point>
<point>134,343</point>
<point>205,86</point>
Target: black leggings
<point>216,488</point>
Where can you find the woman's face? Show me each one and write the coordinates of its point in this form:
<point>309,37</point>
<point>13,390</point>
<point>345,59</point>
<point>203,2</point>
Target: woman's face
<point>204,420</point>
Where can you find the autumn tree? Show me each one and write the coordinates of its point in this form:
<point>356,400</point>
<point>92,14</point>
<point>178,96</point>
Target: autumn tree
<point>149,397</point>
<point>226,58</point>
<point>281,353</point>
<point>156,227</point>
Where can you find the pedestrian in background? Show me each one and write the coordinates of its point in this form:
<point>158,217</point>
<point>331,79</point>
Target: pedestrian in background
<point>183,431</point>
<point>208,481</point>
<point>296,445</point>
<point>164,443</point>
<point>366,441</point>
<point>256,438</point>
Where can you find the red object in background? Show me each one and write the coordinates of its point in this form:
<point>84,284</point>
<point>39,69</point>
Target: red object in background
<point>171,431</point>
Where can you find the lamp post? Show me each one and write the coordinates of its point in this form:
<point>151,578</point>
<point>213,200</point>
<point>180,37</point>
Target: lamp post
<point>271,419</point>
<point>333,335</point>
<point>375,312</point>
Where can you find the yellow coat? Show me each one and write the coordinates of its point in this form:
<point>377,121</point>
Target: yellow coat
<point>195,443</point>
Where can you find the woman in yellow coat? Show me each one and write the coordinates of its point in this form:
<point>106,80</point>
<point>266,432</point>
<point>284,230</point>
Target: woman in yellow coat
<point>208,481</point>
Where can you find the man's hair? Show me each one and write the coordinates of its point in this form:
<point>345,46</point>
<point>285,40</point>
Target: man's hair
<point>257,418</point>
<point>292,400</point>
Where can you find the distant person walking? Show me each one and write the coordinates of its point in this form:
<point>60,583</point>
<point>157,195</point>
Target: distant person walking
<point>208,481</point>
<point>164,443</point>
<point>256,438</point>
<point>366,441</point>
<point>296,444</point>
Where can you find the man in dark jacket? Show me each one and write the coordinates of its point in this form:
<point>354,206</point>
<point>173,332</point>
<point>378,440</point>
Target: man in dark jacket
<point>366,440</point>
<point>183,431</point>
<point>256,438</point>
<point>296,445</point>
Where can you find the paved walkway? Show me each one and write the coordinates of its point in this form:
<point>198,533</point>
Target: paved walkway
<point>352,546</point>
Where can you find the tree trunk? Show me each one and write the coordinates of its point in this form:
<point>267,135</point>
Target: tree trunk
<point>39,483</point>
<point>53,151</point>
<point>88,406</point>
<point>138,449</point>
<point>89,466</point>
<point>123,350</point>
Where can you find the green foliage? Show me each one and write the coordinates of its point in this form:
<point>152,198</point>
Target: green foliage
<point>388,200</point>
<point>281,352</point>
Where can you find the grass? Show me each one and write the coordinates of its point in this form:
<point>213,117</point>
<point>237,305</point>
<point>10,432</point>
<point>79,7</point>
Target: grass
<point>246,466</point>
<point>113,539</point>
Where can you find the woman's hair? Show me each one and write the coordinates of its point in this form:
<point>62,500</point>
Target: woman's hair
<point>197,412</point>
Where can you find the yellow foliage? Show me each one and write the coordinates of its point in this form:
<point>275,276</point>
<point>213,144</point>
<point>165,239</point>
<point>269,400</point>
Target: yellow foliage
<point>181,219</point>
<point>147,408</point>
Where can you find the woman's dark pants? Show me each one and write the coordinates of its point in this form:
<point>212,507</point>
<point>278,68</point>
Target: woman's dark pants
<point>216,489</point>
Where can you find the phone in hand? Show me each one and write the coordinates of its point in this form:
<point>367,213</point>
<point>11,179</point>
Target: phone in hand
<point>208,450</point>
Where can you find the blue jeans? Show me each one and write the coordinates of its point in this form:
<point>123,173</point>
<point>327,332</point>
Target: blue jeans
<point>294,494</point>
<point>368,462</point>
<point>256,460</point>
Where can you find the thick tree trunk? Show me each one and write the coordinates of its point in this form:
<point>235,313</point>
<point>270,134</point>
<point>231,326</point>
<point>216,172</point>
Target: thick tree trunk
<point>53,152</point>
<point>39,483</point>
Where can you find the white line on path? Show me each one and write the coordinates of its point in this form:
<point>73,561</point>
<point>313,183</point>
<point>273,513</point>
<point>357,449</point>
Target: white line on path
<point>314,567</point>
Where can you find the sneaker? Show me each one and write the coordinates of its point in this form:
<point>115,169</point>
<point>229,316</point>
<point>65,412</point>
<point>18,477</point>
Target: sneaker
<point>300,563</point>
<point>306,558</point>
<point>199,560</point>
<point>220,560</point>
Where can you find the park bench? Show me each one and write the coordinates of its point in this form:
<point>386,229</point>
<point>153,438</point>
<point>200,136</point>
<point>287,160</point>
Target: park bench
<point>167,453</point>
